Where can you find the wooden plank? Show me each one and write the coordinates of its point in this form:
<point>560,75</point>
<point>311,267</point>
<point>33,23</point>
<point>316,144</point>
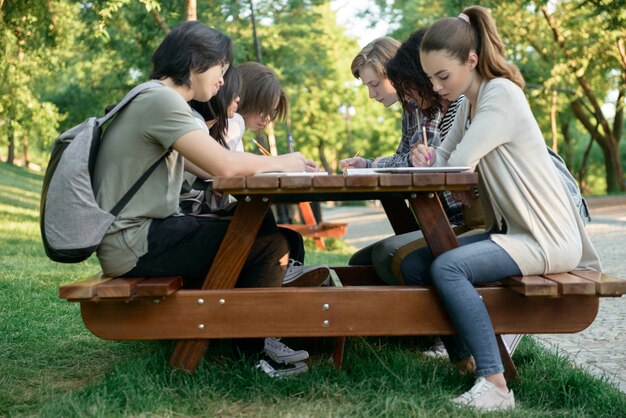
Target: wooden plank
<point>532,285</point>
<point>289,182</point>
<point>606,285</point>
<point>262,182</point>
<point>83,289</point>
<point>220,183</point>
<point>460,179</point>
<point>159,286</point>
<point>224,271</point>
<point>433,222</point>
<point>429,179</point>
<point>390,180</point>
<point>361,181</point>
<point>325,311</point>
<point>572,285</point>
<point>120,287</point>
<point>329,182</point>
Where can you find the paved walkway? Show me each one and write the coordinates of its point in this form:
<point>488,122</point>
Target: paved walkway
<point>601,348</point>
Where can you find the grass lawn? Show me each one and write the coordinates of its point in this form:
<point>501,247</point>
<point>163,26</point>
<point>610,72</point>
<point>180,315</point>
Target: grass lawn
<point>52,366</point>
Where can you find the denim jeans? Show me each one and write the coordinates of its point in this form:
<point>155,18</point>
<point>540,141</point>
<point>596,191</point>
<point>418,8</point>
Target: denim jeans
<point>454,274</point>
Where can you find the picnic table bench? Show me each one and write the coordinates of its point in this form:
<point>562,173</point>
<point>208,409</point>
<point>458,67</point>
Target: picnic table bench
<point>357,304</point>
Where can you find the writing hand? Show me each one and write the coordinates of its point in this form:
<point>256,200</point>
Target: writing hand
<point>353,162</point>
<point>422,156</point>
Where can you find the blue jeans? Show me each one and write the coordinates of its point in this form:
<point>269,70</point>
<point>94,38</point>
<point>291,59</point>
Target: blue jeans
<point>454,274</point>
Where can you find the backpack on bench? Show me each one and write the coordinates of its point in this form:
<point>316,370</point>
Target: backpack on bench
<point>72,223</point>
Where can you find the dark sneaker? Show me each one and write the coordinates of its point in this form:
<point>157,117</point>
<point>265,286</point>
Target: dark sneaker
<point>298,275</point>
<point>281,371</point>
<point>280,353</point>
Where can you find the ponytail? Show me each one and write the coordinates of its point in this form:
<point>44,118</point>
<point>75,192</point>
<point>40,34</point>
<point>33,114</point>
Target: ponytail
<point>473,30</point>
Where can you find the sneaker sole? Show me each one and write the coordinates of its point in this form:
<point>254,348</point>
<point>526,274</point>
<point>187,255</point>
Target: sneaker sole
<point>314,278</point>
<point>293,359</point>
<point>298,368</point>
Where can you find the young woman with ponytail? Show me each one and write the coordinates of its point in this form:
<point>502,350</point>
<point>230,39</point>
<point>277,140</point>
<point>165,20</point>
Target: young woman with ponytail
<point>532,225</point>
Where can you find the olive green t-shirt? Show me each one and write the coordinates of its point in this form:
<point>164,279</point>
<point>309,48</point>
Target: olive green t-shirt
<point>137,137</point>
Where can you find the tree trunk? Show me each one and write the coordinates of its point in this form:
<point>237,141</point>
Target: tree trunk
<point>11,153</point>
<point>191,10</point>
<point>160,21</point>
<point>26,150</point>
<point>607,141</point>
<point>323,160</point>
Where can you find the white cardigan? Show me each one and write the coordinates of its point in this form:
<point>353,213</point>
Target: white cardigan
<point>518,182</point>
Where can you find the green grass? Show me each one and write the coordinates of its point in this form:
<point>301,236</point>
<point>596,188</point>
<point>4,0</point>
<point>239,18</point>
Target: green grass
<point>52,366</point>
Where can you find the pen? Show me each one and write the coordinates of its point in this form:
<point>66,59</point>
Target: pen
<point>425,139</point>
<point>261,148</point>
<point>290,142</point>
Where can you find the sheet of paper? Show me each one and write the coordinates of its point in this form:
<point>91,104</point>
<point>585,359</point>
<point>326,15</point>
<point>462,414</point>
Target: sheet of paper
<point>421,169</point>
<point>359,171</point>
<point>292,173</point>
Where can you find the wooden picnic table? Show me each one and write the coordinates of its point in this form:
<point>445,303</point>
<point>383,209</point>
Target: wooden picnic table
<point>359,305</point>
<point>256,193</point>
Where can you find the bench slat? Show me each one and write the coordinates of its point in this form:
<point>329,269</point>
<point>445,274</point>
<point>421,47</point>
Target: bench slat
<point>120,287</point>
<point>84,289</point>
<point>572,285</point>
<point>532,285</point>
<point>605,285</point>
<point>159,286</point>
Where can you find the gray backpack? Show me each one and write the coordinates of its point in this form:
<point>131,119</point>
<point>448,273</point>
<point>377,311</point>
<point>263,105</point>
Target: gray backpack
<point>72,223</point>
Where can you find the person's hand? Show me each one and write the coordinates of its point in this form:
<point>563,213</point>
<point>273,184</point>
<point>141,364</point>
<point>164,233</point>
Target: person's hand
<point>422,156</point>
<point>353,162</point>
<point>295,161</point>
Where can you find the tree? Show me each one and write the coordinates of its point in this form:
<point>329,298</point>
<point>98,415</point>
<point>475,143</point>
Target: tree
<point>28,34</point>
<point>573,48</point>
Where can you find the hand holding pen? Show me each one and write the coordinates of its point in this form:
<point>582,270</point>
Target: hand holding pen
<point>421,154</point>
<point>354,162</point>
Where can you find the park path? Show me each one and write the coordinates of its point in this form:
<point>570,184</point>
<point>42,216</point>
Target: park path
<point>601,348</point>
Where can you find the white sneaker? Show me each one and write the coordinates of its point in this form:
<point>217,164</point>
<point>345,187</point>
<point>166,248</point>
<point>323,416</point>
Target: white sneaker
<point>281,371</point>
<point>280,353</point>
<point>303,276</point>
<point>436,351</point>
<point>484,396</point>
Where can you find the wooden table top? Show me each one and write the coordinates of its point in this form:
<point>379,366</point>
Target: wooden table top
<point>384,182</point>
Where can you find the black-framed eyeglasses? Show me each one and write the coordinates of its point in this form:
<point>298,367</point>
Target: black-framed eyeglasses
<point>272,114</point>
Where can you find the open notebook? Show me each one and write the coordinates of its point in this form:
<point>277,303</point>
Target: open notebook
<point>366,171</point>
<point>292,173</point>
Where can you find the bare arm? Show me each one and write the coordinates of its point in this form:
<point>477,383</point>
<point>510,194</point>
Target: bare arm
<point>206,154</point>
<point>195,170</point>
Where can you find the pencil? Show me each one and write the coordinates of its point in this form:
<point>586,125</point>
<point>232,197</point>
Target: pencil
<point>355,155</point>
<point>424,137</point>
<point>261,148</point>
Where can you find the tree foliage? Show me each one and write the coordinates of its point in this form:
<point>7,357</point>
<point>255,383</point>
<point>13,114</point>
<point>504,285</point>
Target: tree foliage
<point>65,60</point>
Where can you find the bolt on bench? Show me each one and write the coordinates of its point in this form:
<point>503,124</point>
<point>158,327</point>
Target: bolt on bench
<point>358,304</point>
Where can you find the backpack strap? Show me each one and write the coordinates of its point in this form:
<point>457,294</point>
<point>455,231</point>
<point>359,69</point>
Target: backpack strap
<point>131,192</point>
<point>101,121</point>
<point>129,96</point>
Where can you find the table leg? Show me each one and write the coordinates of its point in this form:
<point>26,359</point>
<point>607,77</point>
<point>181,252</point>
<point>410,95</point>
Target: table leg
<point>433,222</point>
<point>400,216</point>
<point>225,270</point>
